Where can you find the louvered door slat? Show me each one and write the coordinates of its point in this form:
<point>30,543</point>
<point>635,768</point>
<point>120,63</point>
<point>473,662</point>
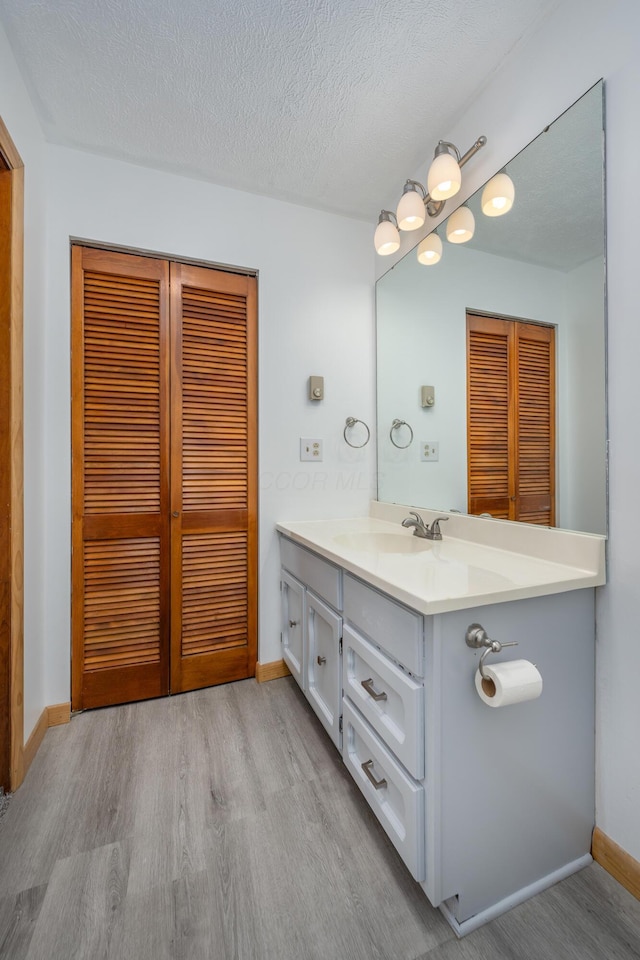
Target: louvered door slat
<point>120,478</point>
<point>118,585</point>
<point>212,563</point>
<point>121,396</point>
<point>212,474</point>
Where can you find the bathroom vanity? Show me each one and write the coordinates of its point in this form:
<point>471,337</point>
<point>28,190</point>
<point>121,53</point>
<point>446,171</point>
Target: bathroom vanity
<point>485,806</point>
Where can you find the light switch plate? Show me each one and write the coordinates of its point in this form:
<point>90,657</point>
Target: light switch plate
<point>429,450</point>
<point>310,449</point>
<point>316,388</point>
<point>427,396</point>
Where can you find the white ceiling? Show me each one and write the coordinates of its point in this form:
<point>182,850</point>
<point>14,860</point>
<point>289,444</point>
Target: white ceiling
<point>327,103</point>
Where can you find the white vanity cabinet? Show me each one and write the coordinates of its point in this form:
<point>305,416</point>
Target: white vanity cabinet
<point>371,705</point>
<point>486,806</point>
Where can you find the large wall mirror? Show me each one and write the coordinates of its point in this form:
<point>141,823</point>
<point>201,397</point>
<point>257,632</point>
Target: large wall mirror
<point>535,278</point>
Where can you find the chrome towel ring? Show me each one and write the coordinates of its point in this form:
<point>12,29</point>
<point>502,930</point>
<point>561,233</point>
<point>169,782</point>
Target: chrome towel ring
<point>396,426</point>
<point>351,422</point>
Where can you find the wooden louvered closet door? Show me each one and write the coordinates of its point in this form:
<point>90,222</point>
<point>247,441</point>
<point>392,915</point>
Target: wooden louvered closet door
<point>213,493</point>
<point>511,419</point>
<point>158,423</point>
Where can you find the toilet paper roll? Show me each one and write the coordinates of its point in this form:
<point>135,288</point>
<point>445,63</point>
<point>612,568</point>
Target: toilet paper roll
<point>512,681</point>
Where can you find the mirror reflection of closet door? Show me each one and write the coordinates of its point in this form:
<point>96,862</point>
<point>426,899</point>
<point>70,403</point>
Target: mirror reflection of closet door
<point>511,419</point>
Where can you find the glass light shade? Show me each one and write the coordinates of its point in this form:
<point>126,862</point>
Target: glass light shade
<point>461,225</point>
<point>430,250</point>
<point>498,195</point>
<point>386,238</point>
<point>444,177</point>
<point>410,212</point>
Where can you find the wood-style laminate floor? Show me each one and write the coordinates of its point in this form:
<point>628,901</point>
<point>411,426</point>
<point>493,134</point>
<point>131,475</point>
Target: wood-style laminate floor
<point>222,824</point>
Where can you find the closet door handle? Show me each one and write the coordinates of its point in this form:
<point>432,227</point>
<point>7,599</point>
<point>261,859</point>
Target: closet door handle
<point>368,686</point>
<point>378,784</point>
<point>321,661</point>
<point>293,623</point>
<point>175,513</point>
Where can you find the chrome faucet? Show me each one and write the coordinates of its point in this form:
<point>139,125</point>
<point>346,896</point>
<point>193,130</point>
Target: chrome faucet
<point>421,529</point>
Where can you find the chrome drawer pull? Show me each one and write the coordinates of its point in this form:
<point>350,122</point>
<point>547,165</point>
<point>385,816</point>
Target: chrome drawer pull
<point>368,685</point>
<point>321,660</point>
<point>293,623</point>
<point>378,784</point>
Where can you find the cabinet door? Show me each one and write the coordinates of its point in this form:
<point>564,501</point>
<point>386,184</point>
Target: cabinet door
<point>293,626</point>
<point>324,674</point>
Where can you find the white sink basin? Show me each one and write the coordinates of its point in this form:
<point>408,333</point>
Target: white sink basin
<point>382,542</point>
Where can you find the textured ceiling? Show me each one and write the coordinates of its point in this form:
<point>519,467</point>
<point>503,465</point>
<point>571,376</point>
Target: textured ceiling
<point>328,103</point>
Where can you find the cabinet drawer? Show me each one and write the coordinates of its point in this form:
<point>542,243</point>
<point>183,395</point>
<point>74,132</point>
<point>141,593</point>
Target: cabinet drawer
<point>391,701</point>
<point>395,798</point>
<point>389,625</point>
<point>324,579</point>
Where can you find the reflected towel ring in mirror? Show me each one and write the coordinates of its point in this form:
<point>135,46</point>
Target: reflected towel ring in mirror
<point>396,426</point>
<point>351,422</point>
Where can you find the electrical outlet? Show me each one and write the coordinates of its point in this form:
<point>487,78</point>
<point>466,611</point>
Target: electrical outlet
<point>310,449</point>
<point>429,450</point>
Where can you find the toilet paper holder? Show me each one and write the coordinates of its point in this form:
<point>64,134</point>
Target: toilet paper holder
<point>477,637</point>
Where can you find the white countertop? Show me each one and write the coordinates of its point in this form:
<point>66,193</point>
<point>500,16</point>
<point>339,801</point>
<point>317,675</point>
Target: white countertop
<point>454,573</point>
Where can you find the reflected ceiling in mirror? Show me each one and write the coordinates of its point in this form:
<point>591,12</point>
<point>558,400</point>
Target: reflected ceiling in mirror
<point>542,263</point>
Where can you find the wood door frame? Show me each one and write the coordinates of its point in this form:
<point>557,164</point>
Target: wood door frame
<point>12,452</point>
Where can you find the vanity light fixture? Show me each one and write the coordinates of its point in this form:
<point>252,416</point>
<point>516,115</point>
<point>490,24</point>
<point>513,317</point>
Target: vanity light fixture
<point>445,176</point>
<point>386,237</point>
<point>461,225</point>
<point>498,195</point>
<point>444,179</point>
<point>411,208</point>
<point>430,249</point>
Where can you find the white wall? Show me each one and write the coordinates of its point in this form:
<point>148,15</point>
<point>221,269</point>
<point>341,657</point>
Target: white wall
<point>315,317</point>
<point>582,42</point>
<point>20,120</point>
